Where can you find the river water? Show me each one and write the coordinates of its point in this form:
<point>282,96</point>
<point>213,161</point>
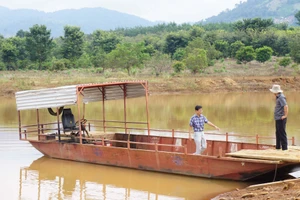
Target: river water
<point>26,174</point>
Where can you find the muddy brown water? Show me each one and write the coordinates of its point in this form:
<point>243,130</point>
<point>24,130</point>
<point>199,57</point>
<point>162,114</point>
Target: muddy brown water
<point>27,174</point>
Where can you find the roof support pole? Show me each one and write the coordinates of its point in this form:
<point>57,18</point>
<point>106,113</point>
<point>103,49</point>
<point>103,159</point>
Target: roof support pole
<point>125,115</point>
<point>103,109</point>
<point>147,109</point>
<point>78,110</point>
<point>38,122</point>
<point>58,124</point>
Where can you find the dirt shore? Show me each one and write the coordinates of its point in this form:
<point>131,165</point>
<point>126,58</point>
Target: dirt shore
<point>282,190</point>
<point>198,84</point>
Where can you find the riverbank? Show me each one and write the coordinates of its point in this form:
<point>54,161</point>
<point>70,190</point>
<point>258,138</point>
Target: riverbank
<point>281,190</point>
<point>225,76</point>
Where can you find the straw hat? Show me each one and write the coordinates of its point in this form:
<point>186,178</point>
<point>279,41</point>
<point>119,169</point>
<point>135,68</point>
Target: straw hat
<point>276,89</point>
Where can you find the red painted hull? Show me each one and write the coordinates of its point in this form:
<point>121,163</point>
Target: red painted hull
<point>160,161</point>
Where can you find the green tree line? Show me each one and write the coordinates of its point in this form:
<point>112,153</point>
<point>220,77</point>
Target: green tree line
<point>161,48</point>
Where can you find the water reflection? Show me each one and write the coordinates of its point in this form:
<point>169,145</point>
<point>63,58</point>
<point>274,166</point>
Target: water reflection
<point>243,113</point>
<point>48,178</point>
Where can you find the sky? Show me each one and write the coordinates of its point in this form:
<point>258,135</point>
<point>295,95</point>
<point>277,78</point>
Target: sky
<point>178,11</point>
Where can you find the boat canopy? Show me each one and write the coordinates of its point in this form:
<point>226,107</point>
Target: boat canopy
<point>67,95</point>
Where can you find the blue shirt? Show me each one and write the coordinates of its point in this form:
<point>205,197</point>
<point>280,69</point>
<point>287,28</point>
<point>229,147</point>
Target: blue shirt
<point>197,122</point>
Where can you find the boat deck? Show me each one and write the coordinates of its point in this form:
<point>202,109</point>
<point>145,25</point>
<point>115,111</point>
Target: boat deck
<point>291,155</point>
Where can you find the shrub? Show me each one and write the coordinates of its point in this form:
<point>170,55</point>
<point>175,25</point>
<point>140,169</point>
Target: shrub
<point>234,47</point>
<point>2,66</point>
<point>263,54</point>
<point>285,61</point>
<point>59,64</point>
<point>178,66</point>
<point>179,54</point>
<point>245,54</point>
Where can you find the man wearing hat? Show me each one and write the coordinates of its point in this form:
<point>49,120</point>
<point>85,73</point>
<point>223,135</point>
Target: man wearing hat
<point>280,115</point>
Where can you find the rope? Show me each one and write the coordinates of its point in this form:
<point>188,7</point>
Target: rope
<point>275,173</point>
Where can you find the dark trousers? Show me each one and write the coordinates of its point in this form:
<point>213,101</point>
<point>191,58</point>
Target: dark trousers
<point>281,139</point>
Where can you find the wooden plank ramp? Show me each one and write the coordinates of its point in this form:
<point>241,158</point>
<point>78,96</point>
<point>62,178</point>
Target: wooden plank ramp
<point>290,155</point>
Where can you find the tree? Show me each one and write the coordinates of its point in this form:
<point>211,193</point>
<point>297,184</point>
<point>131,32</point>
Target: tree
<point>21,33</point>
<point>281,46</point>
<point>175,41</point>
<point>196,61</point>
<point>223,47</point>
<point>263,54</point>
<point>297,16</point>
<point>255,24</point>
<point>39,44</point>
<point>104,40</point>
<point>22,53</point>
<point>178,66</point>
<point>127,56</point>
<point>198,43</point>
<point>196,31</point>
<point>245,54</point>
<point>99,59</point>
<point>20,44</point>
<point>295,47</point>
<point>72,43</point>
<point>210,37</point>
<point>234,47</point>
<point>160,63</point>
<point>179,54</point>
<point>9,54</point>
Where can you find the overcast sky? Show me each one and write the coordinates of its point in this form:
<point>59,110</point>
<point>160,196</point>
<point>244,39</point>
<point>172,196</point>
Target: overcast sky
<point>155,10</point>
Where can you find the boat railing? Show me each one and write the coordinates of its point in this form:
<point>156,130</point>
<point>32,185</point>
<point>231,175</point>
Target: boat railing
<point>107,142</point>
<point>36,129</point>
<point>41,129</point>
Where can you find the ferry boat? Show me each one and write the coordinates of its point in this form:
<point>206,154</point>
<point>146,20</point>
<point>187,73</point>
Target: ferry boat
<point>138,146</point>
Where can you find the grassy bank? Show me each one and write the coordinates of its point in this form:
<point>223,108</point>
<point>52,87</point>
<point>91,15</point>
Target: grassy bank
<point>225,76</point>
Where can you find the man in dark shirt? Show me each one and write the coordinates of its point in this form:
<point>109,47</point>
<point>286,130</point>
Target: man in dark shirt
<point>280,116</point>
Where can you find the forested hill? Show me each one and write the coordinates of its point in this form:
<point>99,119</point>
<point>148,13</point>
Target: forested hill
<point>89,19</point>
<point>279,10</point>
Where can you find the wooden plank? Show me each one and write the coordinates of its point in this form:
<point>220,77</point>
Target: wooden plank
<point>291,155</point>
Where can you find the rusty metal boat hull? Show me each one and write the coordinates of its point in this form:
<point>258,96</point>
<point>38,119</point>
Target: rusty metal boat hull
<point>169,162</point>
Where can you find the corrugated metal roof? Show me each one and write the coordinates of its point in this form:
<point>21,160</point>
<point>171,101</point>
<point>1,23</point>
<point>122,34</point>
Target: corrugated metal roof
<point>62,96</point>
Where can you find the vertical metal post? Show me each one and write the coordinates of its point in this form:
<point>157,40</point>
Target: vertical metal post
<point>147,109</point>
<point>42,127</point>
<point>38,122</point>
<point>103,109</point>
<point>83,110</point>
<point>58,123</point>
<point>78,109</point>
<point>125,116</point>
<point>20,130</point>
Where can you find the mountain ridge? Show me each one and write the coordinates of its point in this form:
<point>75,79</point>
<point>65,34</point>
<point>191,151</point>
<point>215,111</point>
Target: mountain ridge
<point>88,19</point>
<point>279,10</point>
